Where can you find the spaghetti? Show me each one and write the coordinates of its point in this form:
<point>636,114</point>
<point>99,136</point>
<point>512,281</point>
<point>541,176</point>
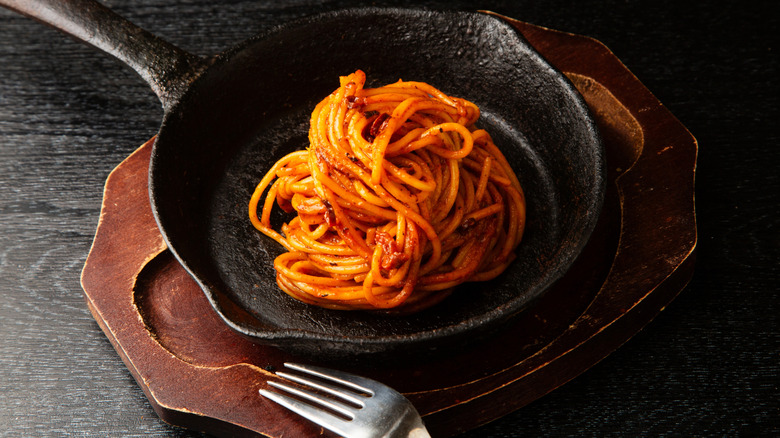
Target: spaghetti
<point>398,200</point>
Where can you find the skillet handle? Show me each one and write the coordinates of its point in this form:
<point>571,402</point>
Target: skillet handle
<point>166,68</point>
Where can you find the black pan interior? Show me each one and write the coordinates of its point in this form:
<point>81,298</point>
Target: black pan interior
<point>253,106</point>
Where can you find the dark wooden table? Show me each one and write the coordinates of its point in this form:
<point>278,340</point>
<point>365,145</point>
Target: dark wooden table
<point>709,365</point>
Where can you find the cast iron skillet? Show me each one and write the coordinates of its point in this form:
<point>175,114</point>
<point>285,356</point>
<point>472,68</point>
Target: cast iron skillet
<point>228,118</point>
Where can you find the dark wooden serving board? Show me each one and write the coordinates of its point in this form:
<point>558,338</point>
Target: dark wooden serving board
<point>199,374</point>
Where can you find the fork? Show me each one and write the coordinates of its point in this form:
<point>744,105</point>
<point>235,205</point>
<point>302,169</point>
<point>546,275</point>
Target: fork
<point>360,407</point>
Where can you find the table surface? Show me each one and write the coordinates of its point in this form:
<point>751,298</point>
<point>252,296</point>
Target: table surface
<point>708,365</point>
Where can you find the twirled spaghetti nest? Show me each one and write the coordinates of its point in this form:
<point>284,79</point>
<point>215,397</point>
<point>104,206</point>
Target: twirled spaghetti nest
<point>398,200</point>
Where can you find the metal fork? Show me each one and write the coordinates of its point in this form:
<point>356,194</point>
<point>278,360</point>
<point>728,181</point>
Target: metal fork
<point>360,407</point>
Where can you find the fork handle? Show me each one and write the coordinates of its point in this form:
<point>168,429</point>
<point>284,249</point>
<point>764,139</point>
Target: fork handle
<point>419,433</point>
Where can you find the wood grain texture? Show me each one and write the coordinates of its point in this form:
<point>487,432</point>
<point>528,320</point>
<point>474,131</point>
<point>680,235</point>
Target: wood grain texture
<point>707,366</point>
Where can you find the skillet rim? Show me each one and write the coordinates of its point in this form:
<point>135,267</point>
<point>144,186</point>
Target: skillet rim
<point>493,316</point>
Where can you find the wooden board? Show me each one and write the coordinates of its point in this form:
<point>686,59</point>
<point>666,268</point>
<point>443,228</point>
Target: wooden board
<point>199,374</point>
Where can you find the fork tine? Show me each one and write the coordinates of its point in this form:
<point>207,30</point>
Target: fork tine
<point>358,383</point>
<point>315,415</point>
<point>314,398</point>
<point>332,390</point>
